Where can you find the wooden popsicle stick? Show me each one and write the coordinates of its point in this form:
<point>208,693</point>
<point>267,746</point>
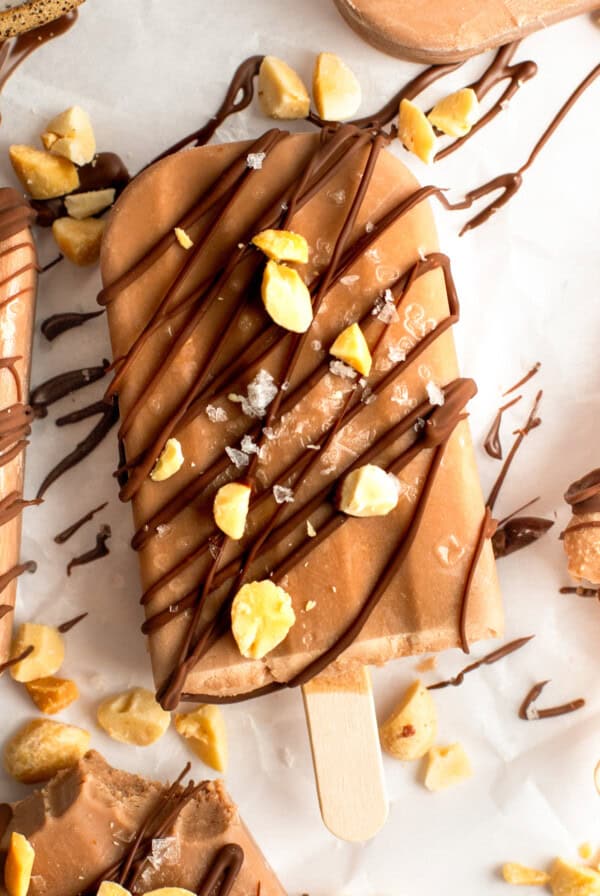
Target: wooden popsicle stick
<point>346,753</point>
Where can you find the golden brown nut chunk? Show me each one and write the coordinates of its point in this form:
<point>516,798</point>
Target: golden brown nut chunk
<point>351,347</point>
<point>456,114</point>
<point>71,135</point>
<point>169,462</point>
<point>513,873</point>
<point>416,132</point>
<point>47,655</point>
<point>261,617</point>
<point>230,508</point>
<point>18,865</point>
<point>84,205</point>
<point>281,91</point>
<point>336,90</point>
<point>369,491</point>
<point>582,547</point>
<point>110,888</point>
<point>133,717</point>
<point>43,175</point>
<point>51,694</point>
<point>204,729</point>
<point>411,730</point>
<point>183,238</point>
<point>79,241</point>
<point>447,766</point>
<point>282,245</point>
<point>41,748</point>
<point>286,297</point>
<point>567,879</point>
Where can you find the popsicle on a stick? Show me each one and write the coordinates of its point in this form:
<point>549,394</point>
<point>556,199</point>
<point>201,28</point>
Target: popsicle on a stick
<point>199,360</point>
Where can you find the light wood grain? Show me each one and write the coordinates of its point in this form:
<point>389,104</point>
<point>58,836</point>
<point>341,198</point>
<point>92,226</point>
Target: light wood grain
<point>346,754</point>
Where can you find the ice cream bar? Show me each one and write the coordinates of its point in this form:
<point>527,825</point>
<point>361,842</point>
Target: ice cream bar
<point>199,360</point>
<point>93,823</point>
<point>438,31</point>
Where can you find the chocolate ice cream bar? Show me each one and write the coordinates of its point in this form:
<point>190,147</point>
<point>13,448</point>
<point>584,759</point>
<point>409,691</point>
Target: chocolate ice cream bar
<point>197,359</point>
<point>94,823</point>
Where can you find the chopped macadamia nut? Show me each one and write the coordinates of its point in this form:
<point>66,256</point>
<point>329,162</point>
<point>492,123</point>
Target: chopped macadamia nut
<point>456,114</point>
<point>410,731</point>
<point>133,717</point>
<point>336,90</point>
<point>261,617</point>
<point>41,748</point>
<point>169,461</point>
<point>567,879</point>
<point>204,730</point>
<point>351,347</point>
<point>369,491</point>
<point>415,131</point>
<point>79,241</point>
<point>282,245</point>
<point>84,205</point>
<point>18,865</point>
<point>281,91</point>
<point>183,239</point>
<point>513,873</point>
<point>170,891</point>
<point>230,508</point>
<point>43,175</point>
<point>286,297</point>
<point>110,888</point>
<point>71,135</point>
<point>48,652</point>
<point>51,694</point>
<point>447,766</point>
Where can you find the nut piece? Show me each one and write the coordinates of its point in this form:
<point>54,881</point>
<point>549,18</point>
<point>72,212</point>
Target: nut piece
<point>286,297</point>
<point>70,134</point>
<point>447,766</point>
<point>110,888</point>
<point>567,879</point>
<point>369,491</point>
<point>18,865</point>
<point>513,873</point>
<point>282,245</point>
<point>456,114</point>
<point>41,748</point>
<point>352,348</point>
<point>170,891</point>
<point>169,461</point>
<point>47,655</point>
<point>183,238</point>
<point>582,547</point>
<point>51,694</point>
<point>281,91</point>
<point>79,240</point>
<point>204,729</point>
<point>133,717</point>
<point>416,132</point>
<point>336,90</point>
<point>43,175</point>
<point>261,617</point>
<point>230,508</point>
<point>586,851</point>
<point>84,205</point>
<point>410,731</point>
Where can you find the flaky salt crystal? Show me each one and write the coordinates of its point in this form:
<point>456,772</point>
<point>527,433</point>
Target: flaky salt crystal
<point>338,368</point>
<point>216,415</point>
<point>435,394</point>
<point>255,160</point>
<point>165,849</point>
<point>249,446</point>
<point>282,494</point>
<point>316,345</point>
<point>238,458</point>
<point>269,433</point>
<point>349,279</point>
<point>337,196</point>
<point>396,354</point>
<point>260,393</point>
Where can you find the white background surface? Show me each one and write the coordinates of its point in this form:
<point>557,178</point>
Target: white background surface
<point>150,71</point>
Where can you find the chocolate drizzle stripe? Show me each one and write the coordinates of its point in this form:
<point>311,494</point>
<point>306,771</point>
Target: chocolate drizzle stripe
<point>486,660</point>
<point>492,444</point>
<point>10,365</point>
<point>224,871</point>
<point>96,553</point>
<point>486,530</point>
<point>12,505</point>
<point>14,572</point>
<point>67,533</point>
<point>580,591</point>
<point>57,324</point>
<point>16,659</point>
<point>531,423</point>
<point>525,379</point>
<point>65,627</point>
<point>528,712</point>
<point>90,410</point>
<point>5,609</point>
<point>51,264</point>
<point>64,384</point>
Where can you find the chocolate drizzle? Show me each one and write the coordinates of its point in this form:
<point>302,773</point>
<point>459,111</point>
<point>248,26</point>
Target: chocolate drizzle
<point>518,533</point>
<point>16,659</point>
<point>14,573</point>
<point>486,660</point>
<point>486,531</point>
<point>95,553</point>
<point>528,712</point>
<point>63,384</point>
<point>580,591</point>
<point>57,324</point>
<point>492,444</point>
<point>65,627</point>
<point>525,379</point>
<point>67,533</point>
<point>532,422</point>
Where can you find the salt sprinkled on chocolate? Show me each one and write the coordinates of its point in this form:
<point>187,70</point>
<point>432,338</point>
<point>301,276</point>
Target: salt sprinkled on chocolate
<point>216,415</point>
<point>338,368</point>
<point>255,160</point>
<point>435,394</point>
<point>260,393</point>
<point>282,494</point>
<point>238,458</point>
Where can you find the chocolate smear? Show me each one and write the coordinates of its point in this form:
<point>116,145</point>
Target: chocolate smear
<point>57,324</point>
<point>528,712</point>
<point>492,444</point>
<point>65,627</point>
<point>580,591</point>
<point>90,410</point>
<point>100,550</point>
<point>525,379</point>
<point>487,660</point>
<point>14,573</point>
<point>5,609</point>
<point>67,533</point>
<point>518,533</point>
<point>63,384</point>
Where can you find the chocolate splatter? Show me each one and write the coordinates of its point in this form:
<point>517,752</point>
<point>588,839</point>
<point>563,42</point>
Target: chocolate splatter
<point>64,384</point>
<point>57,324</point>
<point>518,533</point>
<point>528,712</point>
<point>16,659</point>
<point>525,379</point>
<point>580,591</point>
<point>65,627</point>
<point>492,444</point>
<point>532,422</point>
<point>99,550</point>
<point>67,533</point>
<point>90,410</point>
<point>486,660</point>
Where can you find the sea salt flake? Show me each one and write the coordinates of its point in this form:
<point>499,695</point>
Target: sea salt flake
<point>396,354</point>
<point>260,393</point>
<point>309,605</point>
<point>310,529</point>
<point>162,530</point>
<point>312,447</point>
<point>165,849</point>
<point>269,433</point>
<point>255,160</point>
<point>283,494</point>
<point>213,548</point>
<point>435,394</point>
<point>337,196</point>
<point>238,458</point>
<point>338,368</point>
<point>420,424</point>
<point>367,396</point>
<point>249,446</point>
<point>216,415</point>
<point>369,227</point>
<point>316,345</point>
<point>349,279</point>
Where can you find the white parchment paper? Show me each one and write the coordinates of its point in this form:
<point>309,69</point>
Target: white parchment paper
<point>149,71</point>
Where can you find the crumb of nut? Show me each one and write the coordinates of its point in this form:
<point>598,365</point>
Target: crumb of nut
<point>183,238</point>
<point>567,879</point>
<point>51,694</point>
<point>336,90</point>
<point>352,348</point>
<point>369,491</point>
<point>134,717</point>
<point>456,114</point>
<point>514,873</point>
<point>70,135</point>
<point>427,664</point>
<point>204,729</point>
<point>281,91</point>
<point>582,547</point>
<point>309,605</point>
<point>586,851</point>
<point>110,888</point>
<point>261,617</point>
<point>47,655</point>
<point>282,245</point>
<point>286,297</point>
<point>411,729</point>
<point>79,240</point>
<point>230,508</point>
<point>416,132</point>
<point>85,205</point>
<point>41,748</point>
<point>310,529</point>
<point>447,766</point>
<point>18,865</point>
<point>168,462</point>
<point>43,175</point>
